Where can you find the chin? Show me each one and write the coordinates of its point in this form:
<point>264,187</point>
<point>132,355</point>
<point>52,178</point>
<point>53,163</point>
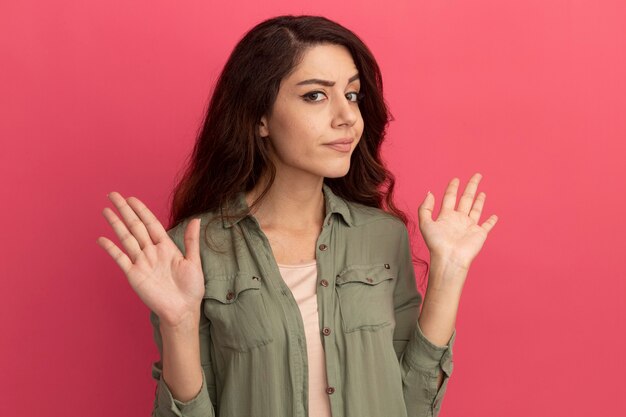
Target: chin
<point>337,172</point>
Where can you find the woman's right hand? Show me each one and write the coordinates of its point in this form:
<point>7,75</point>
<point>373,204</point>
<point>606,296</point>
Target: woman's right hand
<point>170,284</point>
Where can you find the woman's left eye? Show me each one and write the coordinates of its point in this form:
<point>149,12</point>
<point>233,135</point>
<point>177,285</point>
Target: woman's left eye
<point>357,96</point>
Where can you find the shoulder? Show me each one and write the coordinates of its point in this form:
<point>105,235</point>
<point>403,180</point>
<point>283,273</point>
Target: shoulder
<point>210,222</point>
<point>366,216</point>
<point>374,224</point>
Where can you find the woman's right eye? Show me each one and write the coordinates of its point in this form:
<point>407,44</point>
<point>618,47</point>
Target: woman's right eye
<point>307,97</point>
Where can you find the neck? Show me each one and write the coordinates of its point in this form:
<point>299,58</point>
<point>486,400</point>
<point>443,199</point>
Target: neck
<point>294,203</point>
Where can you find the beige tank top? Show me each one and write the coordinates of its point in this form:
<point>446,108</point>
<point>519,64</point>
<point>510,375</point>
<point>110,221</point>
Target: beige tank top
<point>302,281</point>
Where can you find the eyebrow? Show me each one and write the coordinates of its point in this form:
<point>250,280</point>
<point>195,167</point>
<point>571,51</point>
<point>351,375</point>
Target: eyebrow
<point>325,82</point>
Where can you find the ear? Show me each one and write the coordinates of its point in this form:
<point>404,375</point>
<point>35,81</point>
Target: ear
<point>262,127</point>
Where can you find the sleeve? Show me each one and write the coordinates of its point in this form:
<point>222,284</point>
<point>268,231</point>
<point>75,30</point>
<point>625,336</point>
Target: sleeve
<point>420,360</point>
<point>202,405</point>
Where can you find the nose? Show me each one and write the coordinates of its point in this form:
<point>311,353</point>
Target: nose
<point>345,112</point>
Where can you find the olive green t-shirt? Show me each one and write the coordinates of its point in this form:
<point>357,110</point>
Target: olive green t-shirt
<point>252,339</point>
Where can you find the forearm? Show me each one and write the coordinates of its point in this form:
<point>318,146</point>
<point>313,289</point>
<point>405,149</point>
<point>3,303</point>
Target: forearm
<point>181,360</point>
<point>441,301</point>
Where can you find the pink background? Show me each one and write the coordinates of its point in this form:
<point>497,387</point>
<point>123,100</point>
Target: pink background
<point>105,96</point>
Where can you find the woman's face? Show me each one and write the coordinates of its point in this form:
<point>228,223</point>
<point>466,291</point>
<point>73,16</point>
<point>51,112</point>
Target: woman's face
<point>316,104</point>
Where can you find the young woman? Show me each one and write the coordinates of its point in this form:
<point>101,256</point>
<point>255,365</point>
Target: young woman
<point>284,285</point>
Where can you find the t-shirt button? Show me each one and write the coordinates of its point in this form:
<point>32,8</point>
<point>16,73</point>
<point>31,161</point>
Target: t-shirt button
<point>324,283</point>
<point>323,247</point>
<point>326,331</point>
<point>330,390</point>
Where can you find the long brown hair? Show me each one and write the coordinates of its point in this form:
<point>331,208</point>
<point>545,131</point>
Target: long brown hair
<point>229,156</point>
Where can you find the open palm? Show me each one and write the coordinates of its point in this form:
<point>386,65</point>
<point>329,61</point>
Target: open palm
<point>456,234</point>
<point>170,284</point>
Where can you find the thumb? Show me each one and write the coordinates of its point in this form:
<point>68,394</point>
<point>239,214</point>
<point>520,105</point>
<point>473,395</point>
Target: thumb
<point>425,210</point>
<point>192,241</point>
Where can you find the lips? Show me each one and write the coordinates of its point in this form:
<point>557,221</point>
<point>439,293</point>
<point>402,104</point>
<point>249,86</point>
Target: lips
<point>341,147</point>
<point>341,141</point>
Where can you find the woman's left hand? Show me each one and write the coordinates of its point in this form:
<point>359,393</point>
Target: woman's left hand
<point>456,236</point>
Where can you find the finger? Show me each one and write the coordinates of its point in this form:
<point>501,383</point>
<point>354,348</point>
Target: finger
<point>151,222</point>
<point>467,199</point>
<point>489,223</point>
<point>126,238</point>
<point>118,256</point>
<point>449,196</point>
<point>425,210</point>
<point>192,241</point>
<point>134,223</point>
<point>477,208</point>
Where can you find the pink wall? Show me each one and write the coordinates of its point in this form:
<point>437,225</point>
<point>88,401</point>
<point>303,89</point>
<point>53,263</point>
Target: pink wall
<point>106,96</point>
